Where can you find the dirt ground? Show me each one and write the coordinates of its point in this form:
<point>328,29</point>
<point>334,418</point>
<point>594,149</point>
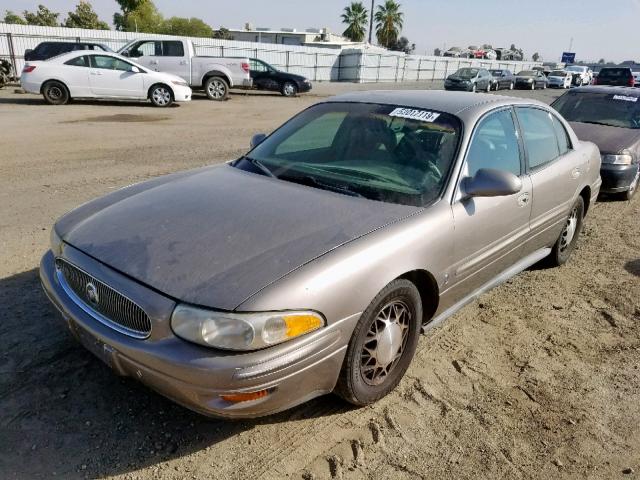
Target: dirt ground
<point>538,379</point>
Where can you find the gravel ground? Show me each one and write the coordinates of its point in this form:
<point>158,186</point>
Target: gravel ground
<point>538,379</point>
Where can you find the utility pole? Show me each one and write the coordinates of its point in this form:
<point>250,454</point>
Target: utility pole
<point>570,44</point>
<point>371,21</point>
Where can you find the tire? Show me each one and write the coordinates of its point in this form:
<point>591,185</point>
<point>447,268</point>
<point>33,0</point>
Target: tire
<point>216,88</point>
<point>368,374</point>
<point>55,93</point>
<point>289,89</point>
<point>161,96</point>
<point>567,240</point>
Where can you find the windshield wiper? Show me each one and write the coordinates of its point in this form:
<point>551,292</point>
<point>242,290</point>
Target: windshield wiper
<point>314,182</point>
<point>260,166</point>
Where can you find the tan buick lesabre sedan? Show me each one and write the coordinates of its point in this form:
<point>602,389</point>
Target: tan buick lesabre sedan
<point>312,263</point>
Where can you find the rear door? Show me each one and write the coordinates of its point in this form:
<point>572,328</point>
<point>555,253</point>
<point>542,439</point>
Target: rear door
<point>174,59</point>
<point>490,231</point>
<point>112,77</point>
<point>555,169</point>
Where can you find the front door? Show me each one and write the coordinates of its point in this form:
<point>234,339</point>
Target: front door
<point>262,75</point>
<point>490,231</point>
<point>112,77</point>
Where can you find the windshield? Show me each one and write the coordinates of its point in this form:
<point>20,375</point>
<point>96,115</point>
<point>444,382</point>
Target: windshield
<point>576,69</point>
<point>496,73</point>
<point>613,109</point>
<point>614,73</point>
<point>527,73</point>
<point>558,73</point>
<point>380,152</point>
<point>467,72</point>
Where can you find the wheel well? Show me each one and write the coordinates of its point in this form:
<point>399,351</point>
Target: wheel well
<point>428,289</point>
<point>215,73</point>
<point>54,80</point>
<point>586,197</point>
<point>164,85</point>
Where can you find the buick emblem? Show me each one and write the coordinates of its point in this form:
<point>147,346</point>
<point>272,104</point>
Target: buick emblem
<point>92,293</point>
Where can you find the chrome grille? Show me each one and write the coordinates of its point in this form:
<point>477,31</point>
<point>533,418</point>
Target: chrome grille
<point>112,308</point>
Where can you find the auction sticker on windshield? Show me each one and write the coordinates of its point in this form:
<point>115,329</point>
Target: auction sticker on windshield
<point>412,114</point>
<point>625,98</point>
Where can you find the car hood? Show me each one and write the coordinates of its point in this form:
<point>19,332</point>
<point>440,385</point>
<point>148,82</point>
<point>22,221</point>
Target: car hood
<point>458,77</point>
<point>525,77</point>
<point>216,236</point>
<point>608,139</point>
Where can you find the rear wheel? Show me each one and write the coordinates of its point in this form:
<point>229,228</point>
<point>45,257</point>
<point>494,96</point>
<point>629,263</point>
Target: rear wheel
<point>289,89</point>
<point>568,238</point>
<point>382,345</point>
<point>55,93</point>
<point>161,96</point>
<point>216,88</point>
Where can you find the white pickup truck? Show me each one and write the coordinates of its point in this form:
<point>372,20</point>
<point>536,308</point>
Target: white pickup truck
<point>214,75</point>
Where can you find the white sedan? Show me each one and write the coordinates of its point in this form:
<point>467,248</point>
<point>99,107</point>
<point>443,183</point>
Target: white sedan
<point>560,79</point>
<point>88,74</point>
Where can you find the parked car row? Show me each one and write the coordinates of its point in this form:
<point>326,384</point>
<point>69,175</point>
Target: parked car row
<point>161,70</point>
<point>484,53</point>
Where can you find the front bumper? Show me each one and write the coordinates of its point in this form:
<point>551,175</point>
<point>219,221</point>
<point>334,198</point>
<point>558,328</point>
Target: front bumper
<point>192,375</point>
<point>617,178</point>
<point>464,87</point>
<point>523,84</point>
<point>304,87</point>
<point>181,94</point>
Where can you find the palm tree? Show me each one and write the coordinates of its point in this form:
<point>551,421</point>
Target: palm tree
<point>355,17</point>
<point>388,23</point>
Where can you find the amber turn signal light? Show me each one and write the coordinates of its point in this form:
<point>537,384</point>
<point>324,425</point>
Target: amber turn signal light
<point>244,397</point>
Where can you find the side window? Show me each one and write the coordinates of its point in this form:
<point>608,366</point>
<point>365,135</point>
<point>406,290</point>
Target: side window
<point>172,48</point>
<point>81,61</point>
<point>539,135</point>
<point>258,66</point>
<point>319,133</point>
<point>495,145</point>
<point>147,49</point>
<point>109,63</point>
<point>564,141</point>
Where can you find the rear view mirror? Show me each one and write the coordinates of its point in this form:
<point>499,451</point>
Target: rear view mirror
<point>257,139</point>
<point>488,182</point>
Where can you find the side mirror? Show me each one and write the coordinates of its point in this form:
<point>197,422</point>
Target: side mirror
<point>135,69</point>
<point>488,182</point>
<point>257,139</point>
<point>124,54</point>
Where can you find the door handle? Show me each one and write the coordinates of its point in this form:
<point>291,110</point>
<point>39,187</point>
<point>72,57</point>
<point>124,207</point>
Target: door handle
<point>523,199</point>
<point>153,62</point>
<point>183,62</point>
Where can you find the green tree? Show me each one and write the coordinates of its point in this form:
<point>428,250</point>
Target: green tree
<point>43,17</point>
<point>222,33</point>
<point>126,6</point>
<point>437,52</point>
<point>403,45</point>
<point>355,16</point>
<point>13,18</point>
<point>602,61</point>
<point>389,21</point>
<point>85,17</point>
<point>188,27</point>
<point>144,18</point>
<point>536,57</point>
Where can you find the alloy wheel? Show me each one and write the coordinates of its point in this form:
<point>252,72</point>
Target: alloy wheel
<point>161,96</point>
<point>385,342</point>
<point>217,89</point>
<point>569,230</point>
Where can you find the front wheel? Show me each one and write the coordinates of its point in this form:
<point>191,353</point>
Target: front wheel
<point>382,345</point>
<point>216,88</point>
<point>568,238</point>
<point>55,93</point>
<point>160,96</point>
<point>289,89</point>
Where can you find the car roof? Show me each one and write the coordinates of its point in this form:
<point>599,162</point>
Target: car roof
<point>448,102</point>
<point>628,91</point>
<point>79,53</point>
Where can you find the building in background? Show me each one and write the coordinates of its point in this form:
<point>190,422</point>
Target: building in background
<point>311,37</point>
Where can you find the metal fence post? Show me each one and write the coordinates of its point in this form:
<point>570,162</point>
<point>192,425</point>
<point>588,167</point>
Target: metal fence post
<point>433,70</point>
<point>379,66</point>
<point>315,69</point>
<point>287,60</point>
<point>12,55</point>
<point>419,68</point>
<point>339,65</point>
<point>222,50</point>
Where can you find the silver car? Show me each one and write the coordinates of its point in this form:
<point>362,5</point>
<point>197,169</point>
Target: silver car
<point>313,263</point>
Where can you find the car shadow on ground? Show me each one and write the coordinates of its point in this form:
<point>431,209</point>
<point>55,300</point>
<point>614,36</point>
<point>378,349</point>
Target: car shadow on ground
<point>633,267</point>
<point>67,413</point>
<point>37,100</point>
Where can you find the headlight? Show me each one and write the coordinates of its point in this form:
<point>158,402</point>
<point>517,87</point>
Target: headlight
<point>242,331</point>
<point>529,80</point>
<point>55,241</point>
<point>624,159</point>
<point>179,82</point>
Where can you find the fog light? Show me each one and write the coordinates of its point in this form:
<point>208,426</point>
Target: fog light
<point>244,397</point>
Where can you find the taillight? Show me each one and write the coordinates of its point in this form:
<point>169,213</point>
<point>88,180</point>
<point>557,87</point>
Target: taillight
<point>28,68</point>
<point>245,66</point>
<point>632,81</point>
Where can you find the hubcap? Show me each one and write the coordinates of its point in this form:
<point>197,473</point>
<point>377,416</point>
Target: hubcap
<point>385,342</point>
<point>217,89</point>
<point>289,89</point>
<point>161,96</point>
<point>569,230</point>
<point>55,93</point>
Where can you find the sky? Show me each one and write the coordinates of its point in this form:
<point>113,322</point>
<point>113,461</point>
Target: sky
<point>595,28</point>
